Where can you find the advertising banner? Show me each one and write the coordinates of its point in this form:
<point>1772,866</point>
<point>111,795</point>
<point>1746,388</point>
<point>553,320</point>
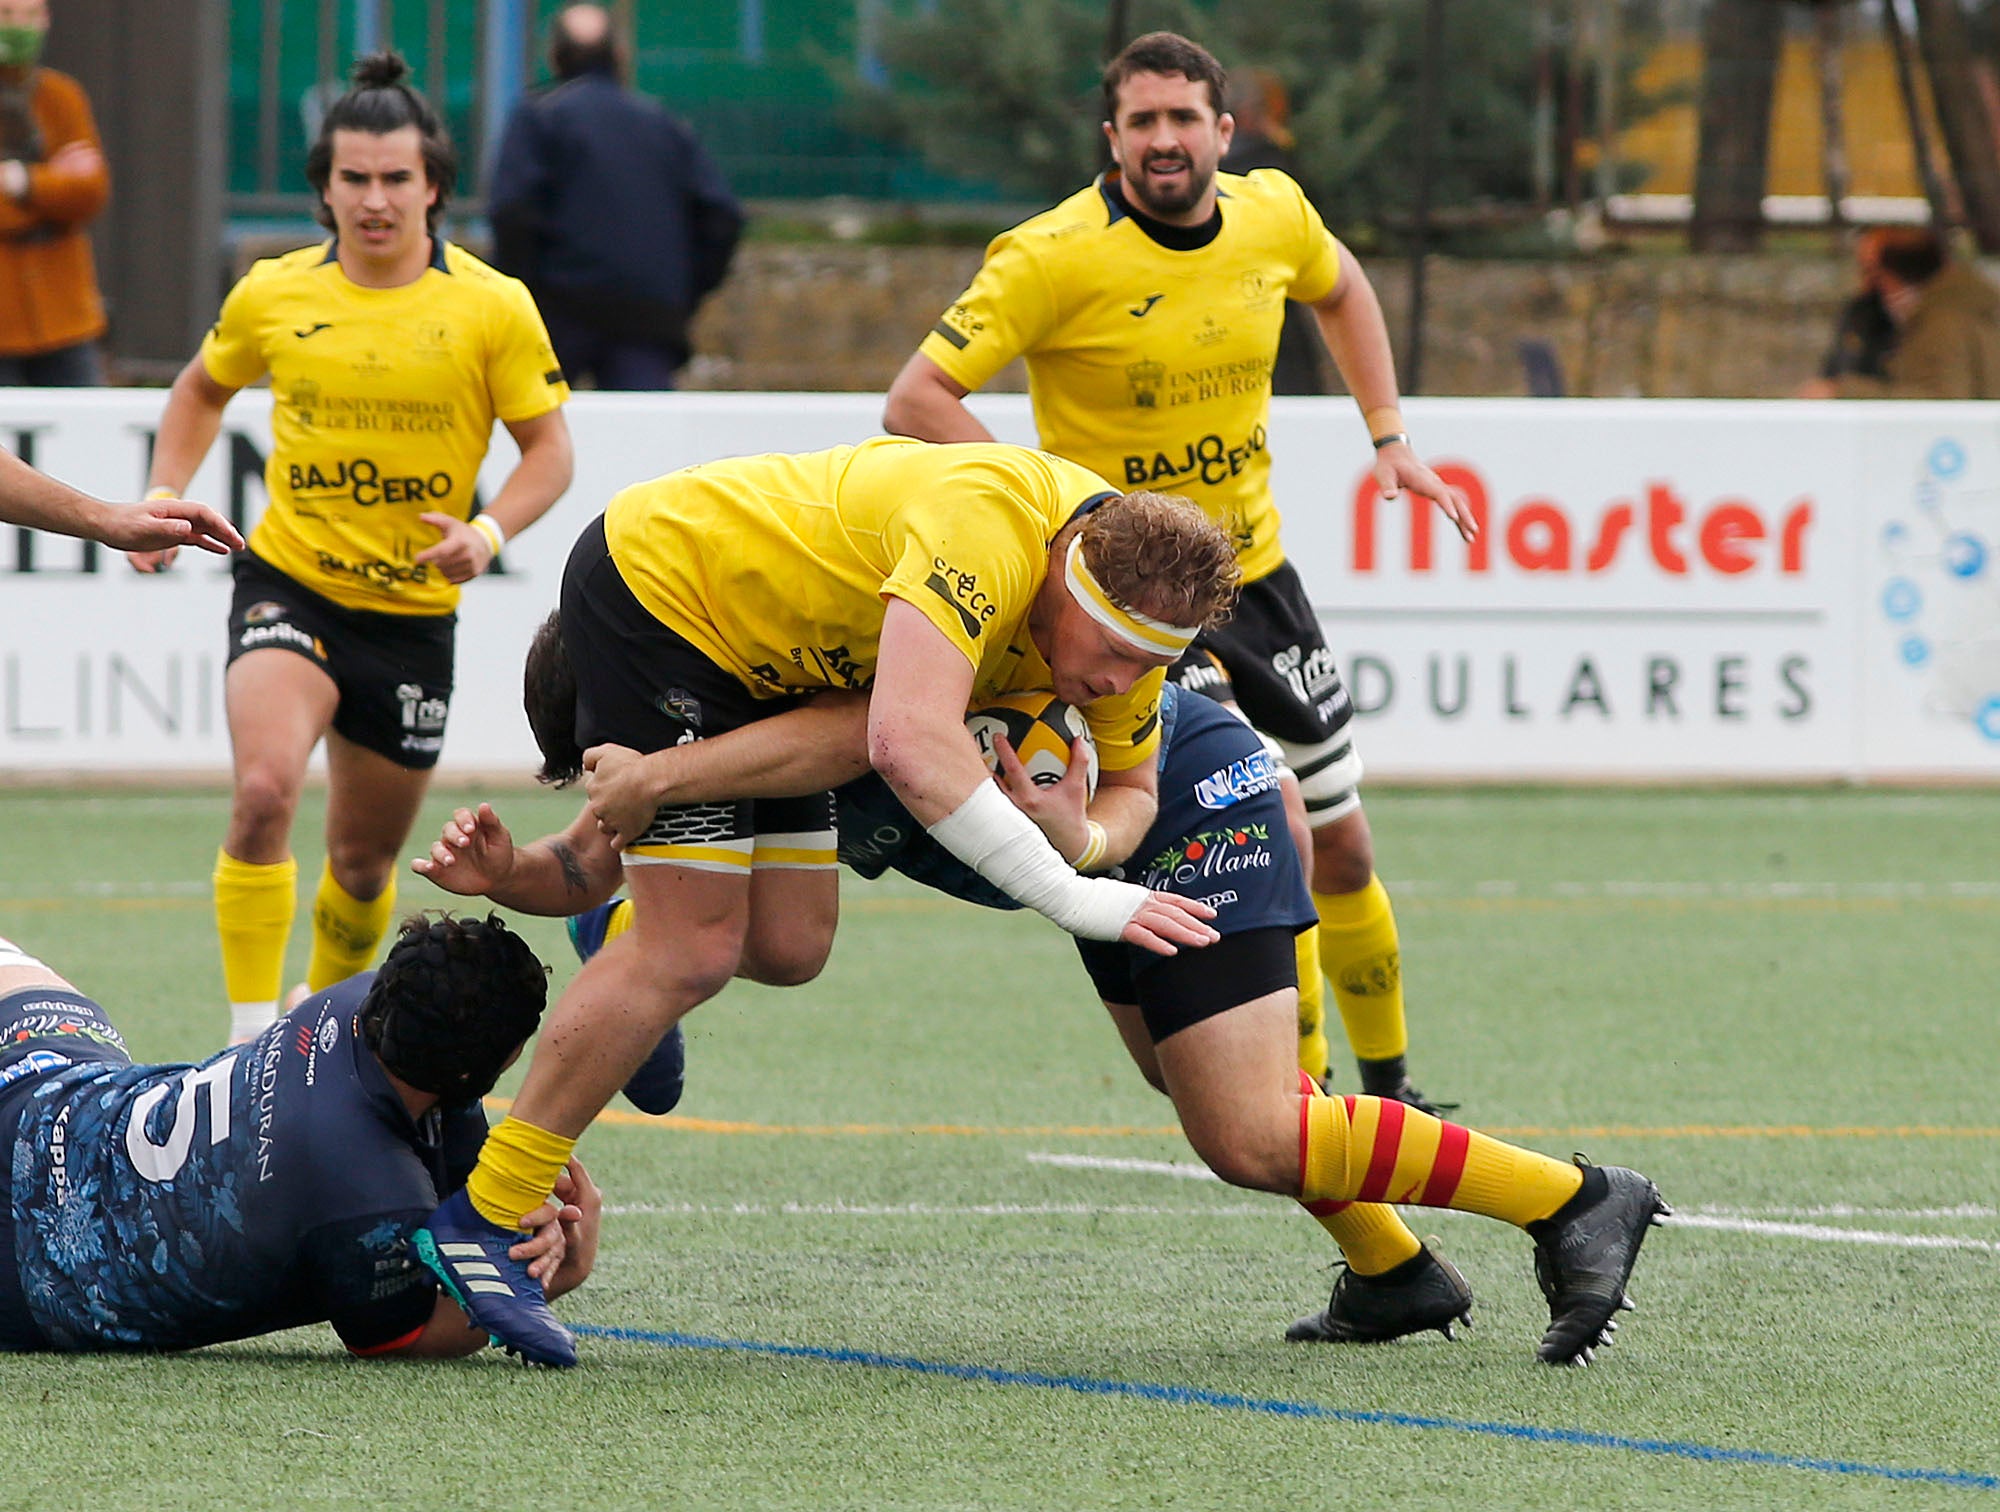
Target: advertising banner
<point>1659,589</point>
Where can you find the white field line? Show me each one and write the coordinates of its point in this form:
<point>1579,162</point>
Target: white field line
<point>1724,1219</point>
<point>1821,1233</point>
<point>1848,1210</point>
<point>1178,1169</point>
<point>1587,800</point>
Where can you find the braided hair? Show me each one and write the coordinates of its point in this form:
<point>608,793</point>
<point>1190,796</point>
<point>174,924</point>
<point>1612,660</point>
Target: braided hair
<point>381,101</point>
<point>452,1003</point>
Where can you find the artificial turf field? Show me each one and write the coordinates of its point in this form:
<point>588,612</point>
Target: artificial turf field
<point>919,1237</point>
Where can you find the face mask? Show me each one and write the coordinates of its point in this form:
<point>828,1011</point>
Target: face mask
<point>20,46</point>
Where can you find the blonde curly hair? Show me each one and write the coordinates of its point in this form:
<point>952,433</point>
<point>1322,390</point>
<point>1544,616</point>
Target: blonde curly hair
<point>1160,555</point>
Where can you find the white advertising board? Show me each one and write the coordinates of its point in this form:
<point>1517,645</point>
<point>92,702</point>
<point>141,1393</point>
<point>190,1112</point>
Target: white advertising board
<point>1693,589</point>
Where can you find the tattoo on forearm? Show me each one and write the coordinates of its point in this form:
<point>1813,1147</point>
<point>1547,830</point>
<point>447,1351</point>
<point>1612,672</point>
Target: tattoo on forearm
<point>572,869</point>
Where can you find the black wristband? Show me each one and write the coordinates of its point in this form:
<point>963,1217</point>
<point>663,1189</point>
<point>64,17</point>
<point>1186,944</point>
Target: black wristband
<point>1391,439</point>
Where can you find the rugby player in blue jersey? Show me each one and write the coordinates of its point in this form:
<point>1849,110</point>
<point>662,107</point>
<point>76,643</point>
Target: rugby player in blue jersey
<point>276,1184</point>
<point>1214,1028</point>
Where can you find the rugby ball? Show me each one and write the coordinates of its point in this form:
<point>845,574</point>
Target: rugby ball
<point>1040,727</point>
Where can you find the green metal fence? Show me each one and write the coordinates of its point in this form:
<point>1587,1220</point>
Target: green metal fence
<point>756,78</point>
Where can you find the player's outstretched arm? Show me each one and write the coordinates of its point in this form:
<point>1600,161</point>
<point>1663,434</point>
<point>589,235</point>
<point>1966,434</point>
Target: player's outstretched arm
<point>38,501</point>
<point>475,856</point>
<point>1351,320</point>
<point>188,428</point>
<point>928,403</point>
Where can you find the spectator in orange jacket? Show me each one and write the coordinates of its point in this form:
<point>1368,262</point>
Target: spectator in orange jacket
<point>53,183</point>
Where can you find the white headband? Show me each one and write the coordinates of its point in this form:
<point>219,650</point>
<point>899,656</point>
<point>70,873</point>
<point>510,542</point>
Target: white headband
<point>1154,637</point>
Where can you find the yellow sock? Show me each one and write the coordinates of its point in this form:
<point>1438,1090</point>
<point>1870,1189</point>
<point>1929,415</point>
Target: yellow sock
<point>1357,941</point>
<point>517,1169</point>
<point>253,915</point>
<point>345,930</point>
<point>1314,1052</point>
<point>1371,1149</point>
<point>1371,1237</point>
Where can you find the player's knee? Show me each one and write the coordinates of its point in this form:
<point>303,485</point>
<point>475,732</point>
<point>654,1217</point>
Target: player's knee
<point>785,963</point>
<point>362,868</point>
<point>701,968</point>
<point>1243,1158</point>
<point>263,804</point>
<point>1343,858</point>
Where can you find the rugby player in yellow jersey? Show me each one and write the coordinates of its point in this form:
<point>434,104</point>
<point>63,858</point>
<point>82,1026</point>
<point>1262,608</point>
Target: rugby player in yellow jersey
<point>932,576</point>
<point>1148,308</point>
<point>390,355</point>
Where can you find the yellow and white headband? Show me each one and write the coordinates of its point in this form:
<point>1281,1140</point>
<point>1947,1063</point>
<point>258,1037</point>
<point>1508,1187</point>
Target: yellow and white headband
<point>1154,637</point>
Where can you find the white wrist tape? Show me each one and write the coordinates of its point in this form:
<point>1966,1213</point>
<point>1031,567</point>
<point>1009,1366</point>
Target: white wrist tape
<point>495,533</point>
<point>1001,843</point>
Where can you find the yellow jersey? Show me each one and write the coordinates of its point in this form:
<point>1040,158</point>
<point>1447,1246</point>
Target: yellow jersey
<point>1151,364</point>
<point>383,402</point>
<point>776,567</point>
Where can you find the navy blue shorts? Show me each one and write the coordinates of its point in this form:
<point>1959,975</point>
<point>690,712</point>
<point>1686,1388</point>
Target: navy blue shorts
<point>1221,836</point>
<point>42,1030</point>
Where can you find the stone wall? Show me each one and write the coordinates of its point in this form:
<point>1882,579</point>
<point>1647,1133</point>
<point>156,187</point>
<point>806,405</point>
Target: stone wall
<point>839,317</point>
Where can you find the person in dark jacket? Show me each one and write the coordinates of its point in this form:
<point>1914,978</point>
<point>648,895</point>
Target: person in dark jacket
<point>608,209</point>
<point>1865,334</point>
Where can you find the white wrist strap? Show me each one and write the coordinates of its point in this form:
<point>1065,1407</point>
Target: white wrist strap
<point>496,535</point>
<point>1001,843</point>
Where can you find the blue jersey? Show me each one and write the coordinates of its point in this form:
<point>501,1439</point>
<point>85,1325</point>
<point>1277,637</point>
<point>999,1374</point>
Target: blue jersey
<point>273,1185</point>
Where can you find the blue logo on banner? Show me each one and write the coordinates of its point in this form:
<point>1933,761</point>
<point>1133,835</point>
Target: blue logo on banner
<point>1901,599</point>
<point>1964,554</point>
<point>1947,458</point>
<point>1988,719</point>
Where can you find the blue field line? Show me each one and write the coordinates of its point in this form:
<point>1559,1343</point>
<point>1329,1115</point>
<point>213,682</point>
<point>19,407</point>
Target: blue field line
<point>1194,1396</point>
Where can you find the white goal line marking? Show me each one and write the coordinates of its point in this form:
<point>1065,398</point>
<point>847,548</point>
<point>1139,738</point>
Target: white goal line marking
<point>1825,1234</point>
<point>1178,1169</point>
<point>1734,1220</point>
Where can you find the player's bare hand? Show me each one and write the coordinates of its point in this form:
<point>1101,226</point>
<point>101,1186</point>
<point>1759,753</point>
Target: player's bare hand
<point>582,1215</point>
<point>619,792</point>
<point>472,855</point>
<point>153,561</point>
<point>1057,807</point>
<point>156,527</point>
<point>1166,923</point>
<point>461,553</point>
<point>1397,467</point>
<point>547,1244</point>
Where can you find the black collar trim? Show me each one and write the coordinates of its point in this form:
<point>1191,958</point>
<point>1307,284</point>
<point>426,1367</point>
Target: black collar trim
<point>1173,238</point>
<point>437,253</point>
